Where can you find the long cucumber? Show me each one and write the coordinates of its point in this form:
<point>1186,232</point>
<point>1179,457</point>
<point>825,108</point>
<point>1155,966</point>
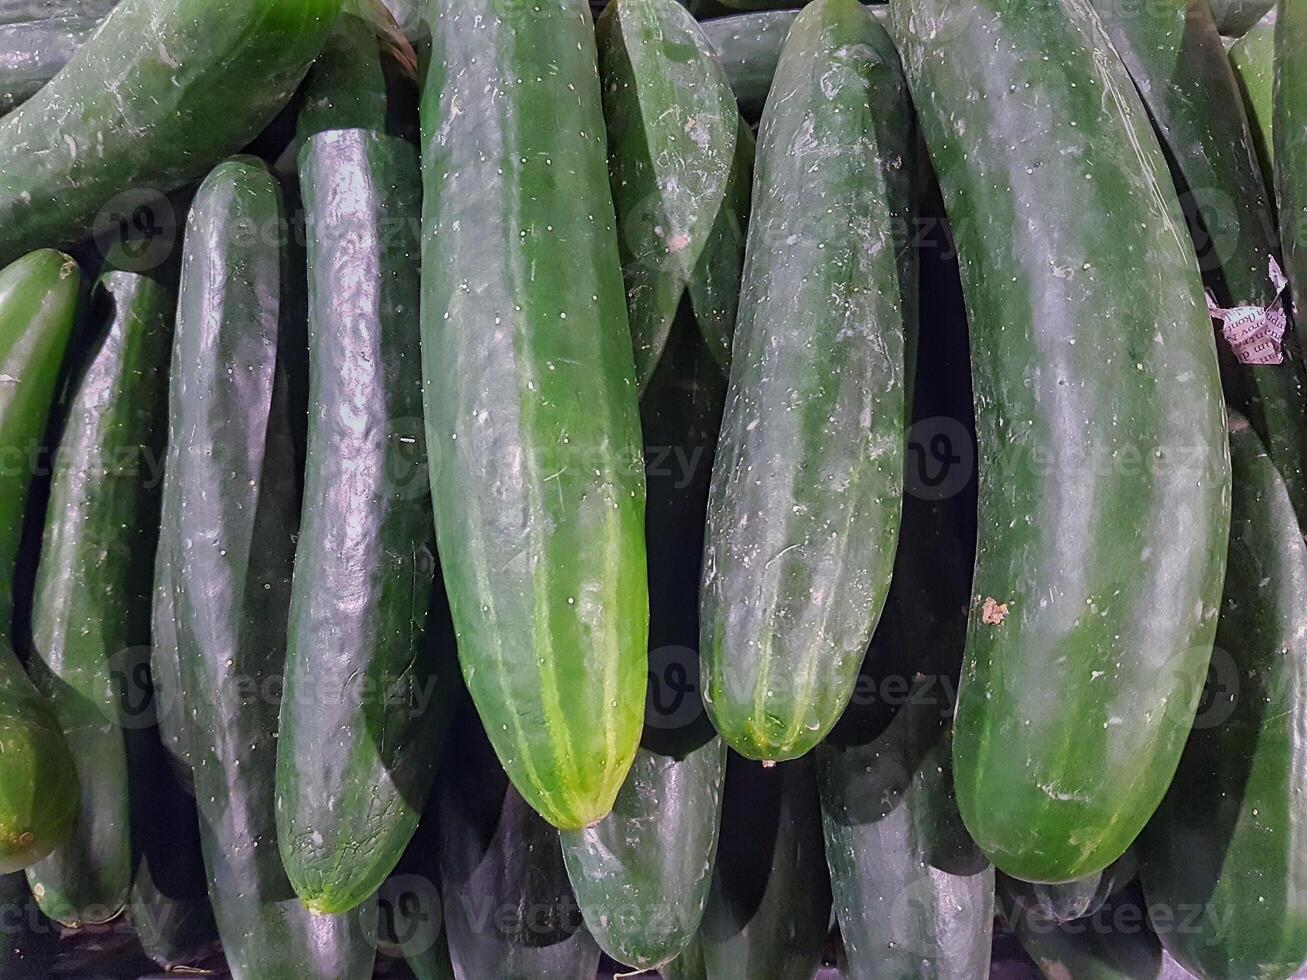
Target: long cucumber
<point>749,46</point>
<point>642,874</point>
<point>1104,471</point>
<point>1227,837</point>
<point>236,490</point>
<point>770,902</point>
<point>91,606</point>
<point>39,791</point>
<point>363,718</point>
<point>531,400</point>
<point>1183,75</point>
<point>169,906</point>
<point>32,52</point>
<point>806,497</point>
<point>1253,59</point>
<point>672,127</point>
<point>508,908</point>
<point>146,105</point>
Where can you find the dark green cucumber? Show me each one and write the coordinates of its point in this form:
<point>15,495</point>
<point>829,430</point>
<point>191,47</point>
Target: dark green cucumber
<point>1253,60</point>
<point>1183,74</point>
<point>914,895</point>
<point>361,723</point>
<point>509,910</point>
<point>38,782</point>
<point>672,128</point>
<point>770,902</point>
<point>1116,944</point>
<point>92,602</point>
<point>345,88</point>
<point>32,52</point>
<point>147,104</point>
<point>236,490</point>
<point>806,497</point>
<point>531,400</point>
<point>749,46</point>
<point>1290,131</point>
<point>1227,838</point>
<point>169,906</point>
<point>1104,471</point>
<point>1234,17</point>
<point>642,874</point>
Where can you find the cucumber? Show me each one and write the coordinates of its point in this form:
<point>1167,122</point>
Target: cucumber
<point>641,875</point>
<point>806,496</point>
<point>509,910</point>
<point>236,501</point>
<point>913,894</point>
<point>90,605</point>
<point>532,422</point>
<point>1253,59</point>
<point>1100,423</point>
<point>770,903</point>
<point>32,52</point>
<point>672,127</point>
<point>360,734</point>
<point>1183,74</point>
<point>749,45</point>
<point>169,906</point>
<point>39,790</point>
<point>1115,945</point>
<point>1234,17</point>
<point>146,104</point>
<point>1290,137</point>
<point>1227,837</point>
<point>346,87</point>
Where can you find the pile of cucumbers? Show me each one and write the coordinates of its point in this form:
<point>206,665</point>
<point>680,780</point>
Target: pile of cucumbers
<point>712,489</point>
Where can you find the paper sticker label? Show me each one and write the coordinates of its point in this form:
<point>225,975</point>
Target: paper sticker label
<point>1255,333</point>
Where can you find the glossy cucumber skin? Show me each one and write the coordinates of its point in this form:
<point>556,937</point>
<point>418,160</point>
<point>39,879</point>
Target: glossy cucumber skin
<point>1061,904</point>
<point>1253,60</point>
<point>32,52</point>
<point>169,907</point>
<point>355,760</point>
<point>532,421</point>
<point>672,127</point>
<point>147,105</point>
<point>39,791</point>
<point>1183,75</point>
<point>92,602</point>
<point>769,906</point>
<point>1104,473</point>
<point>749,46</point>
<point>1228,835</point>
<point>509,910</point>
<point>236,510</point>
<point>1290,131</point>
<point>807,486</point>
<point>642,874</point>
<point>345,88</point>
